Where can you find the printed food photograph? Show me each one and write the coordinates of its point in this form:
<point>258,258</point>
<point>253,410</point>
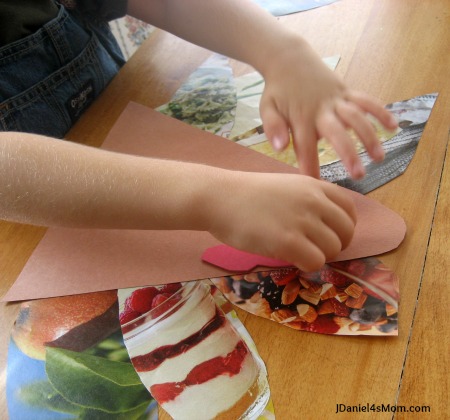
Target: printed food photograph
<point>256,140</point>
<point>207,100</point>
<point>67,360</point>
<point>197,361</point>
<point>356,297</point>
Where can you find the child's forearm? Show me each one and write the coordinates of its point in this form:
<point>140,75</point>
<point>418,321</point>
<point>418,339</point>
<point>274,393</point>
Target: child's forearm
<point>236,28</point>
<point>59,183</point>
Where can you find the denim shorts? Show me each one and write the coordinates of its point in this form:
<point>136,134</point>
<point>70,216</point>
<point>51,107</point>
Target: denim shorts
<point>49,78</point>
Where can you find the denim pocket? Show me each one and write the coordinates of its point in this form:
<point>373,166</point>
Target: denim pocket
<point>53,105</point>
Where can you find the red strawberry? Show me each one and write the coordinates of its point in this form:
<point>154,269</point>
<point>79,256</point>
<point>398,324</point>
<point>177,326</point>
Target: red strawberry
<point>170,288</point>
<point>230,365</point>
<point>205,371</point>
<point>284,275</point>
<point>357,268</point>
<point>159,298</point>
<point>167,391</point>
<point>340,308</point>
<point>232,362</point>
<point>128,315</point>
<point>323,324</point>
<point>161,303</point>
<point>384,279</point>
<point>141,299</point>
<point>341,265</point>
<point>328,275</point>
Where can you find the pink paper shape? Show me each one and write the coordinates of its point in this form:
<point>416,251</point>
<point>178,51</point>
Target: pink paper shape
<point>232,259</point>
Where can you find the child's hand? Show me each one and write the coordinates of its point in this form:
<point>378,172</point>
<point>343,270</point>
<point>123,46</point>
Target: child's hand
<point>306,98</point>
<point>301,95</point>
<point>295,218</point>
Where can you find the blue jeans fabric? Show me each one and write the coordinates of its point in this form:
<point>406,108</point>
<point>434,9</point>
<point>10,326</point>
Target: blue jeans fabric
<point>48,79</point>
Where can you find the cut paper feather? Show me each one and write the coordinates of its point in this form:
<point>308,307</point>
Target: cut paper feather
<point>412,116</point>
<point>400,146</point>
<point>230,107</point>
<point>207,100</point>
<point>181,340</point>
<point>357,297</point>
<point>73,261</point>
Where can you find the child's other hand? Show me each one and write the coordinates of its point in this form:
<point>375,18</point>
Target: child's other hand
<point>304,97</point>
<point>295,218</point>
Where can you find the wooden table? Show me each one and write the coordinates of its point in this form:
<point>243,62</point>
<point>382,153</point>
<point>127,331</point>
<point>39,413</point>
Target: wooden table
<point>393,50</point>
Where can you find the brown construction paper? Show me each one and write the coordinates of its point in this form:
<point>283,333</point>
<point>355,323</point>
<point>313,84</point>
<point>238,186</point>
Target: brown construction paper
<point>72,261</point>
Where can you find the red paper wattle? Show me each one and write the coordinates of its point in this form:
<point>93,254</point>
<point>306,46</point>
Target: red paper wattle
<point>232,259</point>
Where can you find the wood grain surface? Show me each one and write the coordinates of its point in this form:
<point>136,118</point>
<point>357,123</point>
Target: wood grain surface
<point>393,50</point>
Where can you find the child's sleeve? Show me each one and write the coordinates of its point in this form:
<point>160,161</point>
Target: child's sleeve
<point>104,9</point>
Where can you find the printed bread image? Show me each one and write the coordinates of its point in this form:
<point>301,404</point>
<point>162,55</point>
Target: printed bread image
<point>74,323</point>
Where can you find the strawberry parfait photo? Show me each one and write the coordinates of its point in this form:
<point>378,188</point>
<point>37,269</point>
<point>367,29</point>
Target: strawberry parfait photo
<point>189,355</point>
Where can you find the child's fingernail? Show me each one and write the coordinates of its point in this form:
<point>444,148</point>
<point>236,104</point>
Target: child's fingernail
<point>278,143</point>
<point>393,121</point>
<point>358,170</point>
<point>378,153</point>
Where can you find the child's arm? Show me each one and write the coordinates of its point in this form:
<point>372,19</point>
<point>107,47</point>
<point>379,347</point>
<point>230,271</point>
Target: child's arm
<point>58,183</point>
<point>301,95</point>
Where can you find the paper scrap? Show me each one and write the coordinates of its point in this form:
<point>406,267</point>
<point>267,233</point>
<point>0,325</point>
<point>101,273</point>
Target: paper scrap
<point>182,339</point>
<point>286,7</point>
<point>357,297</point>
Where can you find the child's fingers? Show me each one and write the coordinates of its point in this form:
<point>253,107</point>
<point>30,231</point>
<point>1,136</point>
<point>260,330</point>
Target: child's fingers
<point>330,127</point>
<point>342,223</point>
<point>341,198</point>
<point>305,146</point>
<point>322,239</point>
<point>275,127</point>
<point>374,107</point>
<point>306,255</point>
<point>327,239</point>
<point>352,117</point>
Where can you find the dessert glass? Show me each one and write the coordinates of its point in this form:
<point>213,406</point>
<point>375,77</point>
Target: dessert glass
<point>193,361</point>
